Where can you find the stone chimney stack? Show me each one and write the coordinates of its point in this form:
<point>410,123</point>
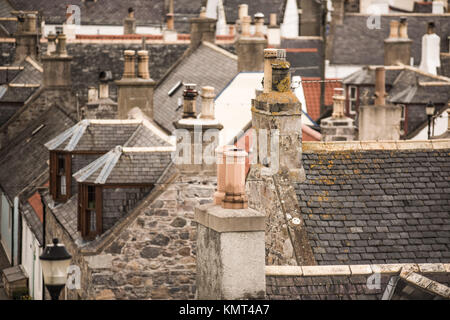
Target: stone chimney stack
<point>169,33</point>
<point>101,106</point>
<point>27,36</point>
<point>129,23</point>
<point>230,241</point>
<point>249,48</point>
<point>277,115</point>
<point>207,103</point>
<point>380,86</point>
<point>135,91</point>
<point>57,66</point>
<point>338,127</point>
<point>431,47</point>
<point>381,121</point>
<point>273,32</point>
<point>197,138</point>
<point>397,47</point>
<point>202,29</point>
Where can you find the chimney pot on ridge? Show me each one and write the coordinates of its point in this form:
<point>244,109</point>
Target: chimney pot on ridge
<point>143,64</point>
<point>380,86</point>
<point>129,64</point>
<point>259,24</point>
<point>190,99</point>
<point>243,11</point>
<point>208,96</point>
<point>246,21</point>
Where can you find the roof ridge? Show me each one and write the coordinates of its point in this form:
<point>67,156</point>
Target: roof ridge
<point>220,50</point>
<point>312,147</point>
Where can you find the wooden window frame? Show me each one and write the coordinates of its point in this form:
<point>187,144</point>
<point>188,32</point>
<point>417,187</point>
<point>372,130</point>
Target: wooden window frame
<point>54,169</point>
<point>84,211</point>
<point>350,100</point>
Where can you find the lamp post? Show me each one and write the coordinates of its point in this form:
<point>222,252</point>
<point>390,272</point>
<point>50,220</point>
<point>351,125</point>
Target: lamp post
<point>54,261</point>
<point>430,112</point>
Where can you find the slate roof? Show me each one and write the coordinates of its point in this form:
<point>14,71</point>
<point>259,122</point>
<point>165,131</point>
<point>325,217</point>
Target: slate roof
<point>66,213</point>
<point>7,110</point>
<point>305,55</point>
<point>89,59</point>
<point>127,165</point>
<point>377,206</point>
<point>208,65</point>
<point>265,6</point>
<point>18,171</point>
<point>366,76</point>
<point>104,135</point>
<point>355,44</point>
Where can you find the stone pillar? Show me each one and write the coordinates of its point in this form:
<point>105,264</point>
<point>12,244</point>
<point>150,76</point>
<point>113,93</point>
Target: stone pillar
<point>231,243</point>
<point>129,23</point>
<point>207,103</point>
<point>250,49</point>
<point>338,127</point>
<point>143,64</point>
<point>397,47</point>
<point>57,66</point>
<point>278,115</point>
<point>135,91</point>
<point>197,138</point>
<point>202,29</point>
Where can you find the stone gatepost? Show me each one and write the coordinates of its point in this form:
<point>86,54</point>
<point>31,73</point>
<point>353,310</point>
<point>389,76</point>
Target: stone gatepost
<point>230,241</point>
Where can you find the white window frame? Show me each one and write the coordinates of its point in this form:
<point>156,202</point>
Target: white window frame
<point>352,100</point>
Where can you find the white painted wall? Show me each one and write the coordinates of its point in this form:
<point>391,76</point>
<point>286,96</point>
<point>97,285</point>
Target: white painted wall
<point>30,261</point>
<point>289,27</point>
<point>5,224</point>
<point>340,71</point>
<point>103,30</point>
<point>440,126</point>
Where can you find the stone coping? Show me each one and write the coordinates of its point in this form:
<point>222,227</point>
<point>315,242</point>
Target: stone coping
<point>424,283</point>
<point>359,269</point>
<point>313,147</point>
<point>229,220</point>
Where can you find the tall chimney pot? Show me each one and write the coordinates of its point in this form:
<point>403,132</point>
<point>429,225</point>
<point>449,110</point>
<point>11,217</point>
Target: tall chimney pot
<point>235,197</point>
<point>143,64</point>
<point>259,24</point>
<point>189,102</point>
<point>403,28</point>
<point>338,103</point>
<point>246,21</point>
<point>273,20</point>
<point>380,86</point>
<point>219,195</point>
<point>51,43</point>
<point>129,64</point>
<point>61,49</point>
<point>269,56</point>
<point>393,29</point>
<point>243,11</point>
<point>208,96</point>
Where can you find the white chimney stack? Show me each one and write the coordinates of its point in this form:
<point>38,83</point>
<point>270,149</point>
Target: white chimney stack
<point>430,59</point>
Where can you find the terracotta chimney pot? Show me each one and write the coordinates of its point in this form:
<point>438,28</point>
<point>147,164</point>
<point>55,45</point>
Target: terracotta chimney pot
<point>380,86</point>
<point>273,20</point>
<point>189,102</point>
<point>243,11</point>
<point>219,195</point>
<point>259,25</point>
<point>143,64</point>
<point>394,29</point>
<point>61,49</point>
<point>338,103</point>
<point>246,21</point>
<point>51,43</point>
<point>403,28</point>
<point>235,197</point>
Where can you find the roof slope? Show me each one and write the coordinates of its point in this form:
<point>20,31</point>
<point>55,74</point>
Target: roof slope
<point>208,65</point>
<point>353,40</point>
<point>377,206</point>
<point>127,165</point>
<point>104,135</point>
<point>25,158</point>
<point>311,89</point>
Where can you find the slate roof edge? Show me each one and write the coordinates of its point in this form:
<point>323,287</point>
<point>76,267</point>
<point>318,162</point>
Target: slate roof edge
<point>315,146</point>
<point>35,64</point>
<point>426,284</point>
<point>358,269</point>
<point>220,50</point>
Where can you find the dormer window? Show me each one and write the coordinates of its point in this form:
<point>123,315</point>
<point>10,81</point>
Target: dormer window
<point>60,176</point>
<point>90,211</point>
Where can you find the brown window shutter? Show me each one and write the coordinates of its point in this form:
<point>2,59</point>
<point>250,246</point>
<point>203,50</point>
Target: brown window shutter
<point>68,176</point>
<point>53,168</point>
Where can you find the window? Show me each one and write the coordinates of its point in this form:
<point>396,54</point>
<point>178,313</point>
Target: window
<point>352,99</point>
<point>90,211</point>
<point>60,176</point>
<point>402,120</point>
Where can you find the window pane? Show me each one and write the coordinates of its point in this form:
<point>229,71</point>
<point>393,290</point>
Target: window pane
<point>92,221</point>
<point>352,92</point>
<point>61,164</point>
<point>63,185</point>
<point>91,197</point>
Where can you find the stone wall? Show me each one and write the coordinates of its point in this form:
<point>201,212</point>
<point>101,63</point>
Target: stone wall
<point>118,201</point>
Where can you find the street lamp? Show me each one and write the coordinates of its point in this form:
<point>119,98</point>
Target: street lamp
<point>430,112</point>
<point>55,260</point>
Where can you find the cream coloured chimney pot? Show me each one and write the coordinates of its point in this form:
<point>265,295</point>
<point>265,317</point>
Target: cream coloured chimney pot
<point>235,197</point>
<point>143,64</point>
<point>243,11</point>
<point>129,64</point>
<point>246,21</point>
<point>208,96</point>
<point>219,195</point>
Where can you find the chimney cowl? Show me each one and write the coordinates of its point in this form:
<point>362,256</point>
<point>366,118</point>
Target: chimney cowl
<point>189,102</point>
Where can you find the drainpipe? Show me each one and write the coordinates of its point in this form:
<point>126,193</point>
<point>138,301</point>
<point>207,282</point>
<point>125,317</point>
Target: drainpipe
<point>14,225</point>
<point>40,190</point>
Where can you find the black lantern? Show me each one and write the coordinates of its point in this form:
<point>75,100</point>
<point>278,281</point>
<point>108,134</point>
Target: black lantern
<point>429,109</point>
<point>54,261</point>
